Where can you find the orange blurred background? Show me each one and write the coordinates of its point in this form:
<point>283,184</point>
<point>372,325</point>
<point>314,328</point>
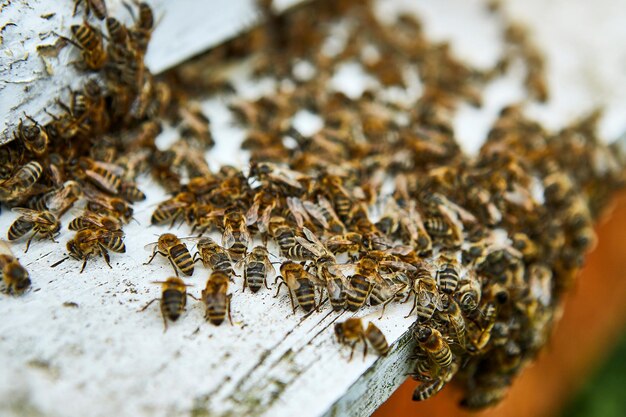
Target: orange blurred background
<point>593,320</point>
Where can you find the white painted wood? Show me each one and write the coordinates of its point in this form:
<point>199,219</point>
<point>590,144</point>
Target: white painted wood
<point>103,358</point>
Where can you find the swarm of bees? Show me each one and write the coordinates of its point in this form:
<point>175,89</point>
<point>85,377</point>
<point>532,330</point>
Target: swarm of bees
<point>380,206</point>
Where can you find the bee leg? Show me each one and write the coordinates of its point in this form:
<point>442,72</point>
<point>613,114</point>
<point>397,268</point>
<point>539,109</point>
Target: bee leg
<point>83,267</point>
<point>245,280</point>
<point>352,347</point>
<point>364,346</point>
<point>230,319</point>
<point>293,305</point>
<point>148,305</point>
<point>194,297</point>
<point>265,283</point>
<point>385,306</point>
<point>279,285</point>
<point>154,252</point>
<point>169,258</point>
<point>164,323</point>
<point>30,239</point>
<point>414,307</point>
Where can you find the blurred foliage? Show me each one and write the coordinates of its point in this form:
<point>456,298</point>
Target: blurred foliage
<point>604,394</point>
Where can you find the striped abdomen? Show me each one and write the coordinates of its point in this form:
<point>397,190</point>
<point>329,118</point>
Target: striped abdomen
<point>305,294</point>
<point>361,288</point>
<point>448,279</point>
<point>19,228</point>
<point>239,248</point>
<point>217,308</point>
<point>255,275</point>
<point>427,390</point>
<point>113,242</point>
<point>173,303</point>
<point>436,226</point>
<point>377,339</point>
<point>182,258</point>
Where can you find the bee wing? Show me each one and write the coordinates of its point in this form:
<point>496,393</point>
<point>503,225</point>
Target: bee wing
<point>102,181</point>
<point>312,238</point>
<point>5,248</point>
<point>399,265</point>
<point>113,168</point>
<point>310,246</point>
<point>252,215</point>
<point>228,239</point>
<point>298,211</point>
<point>284,179</point>
<point>342,269</point>
<point>316,213</point>
<point>28,214</point>
<point>401,250</point>
<point>150,246</point>
<point>325,204</point>
<point>264,223</point>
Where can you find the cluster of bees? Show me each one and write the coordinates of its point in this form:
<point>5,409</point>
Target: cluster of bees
<point>380,206</point>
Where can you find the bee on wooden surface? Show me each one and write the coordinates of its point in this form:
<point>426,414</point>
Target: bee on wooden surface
<point>447,273</point>
<point>325,215</point>
<point>358,292</point>
<point>102,175</point>
<point>337,287</point>
<point>216,299</point>
<point>286,239</point>
<point>38,223</point>
<point>59,201</point>
<point>352,330</point>
<point>18,185</point>
<point>173,299</point>
<point>256,268</point>
<point>34,137</point>
<point>101,203</point>
<point>340,197</point>
<point>300,282</point>
<point>389,288</point>
<point>214,256</point>
<point>88,243</point>
<point>130,192</point>
<point>89,41</point>
<point>434,345</point>
<point>451,314</point>
<point>173,208</point>
<point>171,247</point>
<point>468,293</point>
<point>236,237</point>
<point>89,220</point>
<point>97,7</point>
<point>196,125</point>
<point>141,32</point>
<point>14,276</point>
<point>426,296</point>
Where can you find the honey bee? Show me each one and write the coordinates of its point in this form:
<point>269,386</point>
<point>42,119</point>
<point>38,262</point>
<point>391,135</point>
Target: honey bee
<point>42,223</point>
<point>88,242</point>
<point>174,208</point>
<point>358,292</point>
<point>426,295</point>
<point>175,251</point>
<point>100,174</point>
<point>447,273</point>
<point>214,256</point>
<point>97,7</point>
<point>215,299</point>
<point>15,277</point>
<point>350,243</point>
<point>487,393</point>
<point>103,204</point>
<point>300,282</point>
<point>352,330</point>
<point>257,266</point>
<point>468,293</point>
<point>325,215</point>
<point>337,286</point>
<point>391,286</point>
<point>61,200</point>
<point>451,314</point>
<point>34,137</point>
<point>117,31</point>
<point>141,32</point>
<point>263,202</point>
<point>89,220</point>
<point>434,345</point>
<point>340,197</point>
<point>173,299</point>
<point>274,177</point>
<point>434,385</point>
<point>89,41</point>
<point>196,125</point>
<point>21,181</point>
<point>236,237</point>
<point>286,239</point>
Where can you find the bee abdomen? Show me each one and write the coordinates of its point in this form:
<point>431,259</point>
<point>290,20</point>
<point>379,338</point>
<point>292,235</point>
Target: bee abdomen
<point>427,390</point>
<point>115,243</point>
<point>173,303</point>
<point>448,279</point>
<point>255,274</point>
<point>305,295</point>
<point>19,228</point>
<point>182,259</point>
<point>360,289</point>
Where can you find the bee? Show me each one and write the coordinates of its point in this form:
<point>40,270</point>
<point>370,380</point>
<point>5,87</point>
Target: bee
<point>350,243</point>
<point>488,393</point>
<point>89,220</point>
<point>263,203</point>
<point>98,202</point>
<point>275,178</point>
<point>196,125</point>
<point>257,266</point>
<point>300,282</point>
<point>426,295</point>
<point>389,222</point>
<point>386,290</point>
<point>88,242</point>
<point>175,251</point>
<point>117,31</point>
<point>42,223</point>
<point>61,200</point>
<point>215,299</point>
<point>340,197</point>
<point>214,256</point>
<point>352,330</point>
<point>141,32</point>
<point>97,7</point>
<point>15,277</point>
<point>236,237</point>
<point>337,286</point>
<point>173,299</point>
<point>89,41</point>
<point>325,215</point>
<point>286,239</point>
<point>100,174</point>
<point>468,293</point>
<point>359,290</point>
<point>434,385</point>
<point>413,230</point>
<point>174,208</point>
<point>527,247</point>
<point>21,181</point>
<point>434,345</point>
<point>34,137</point>
<point>451,314</point>
<point>447,273</point>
